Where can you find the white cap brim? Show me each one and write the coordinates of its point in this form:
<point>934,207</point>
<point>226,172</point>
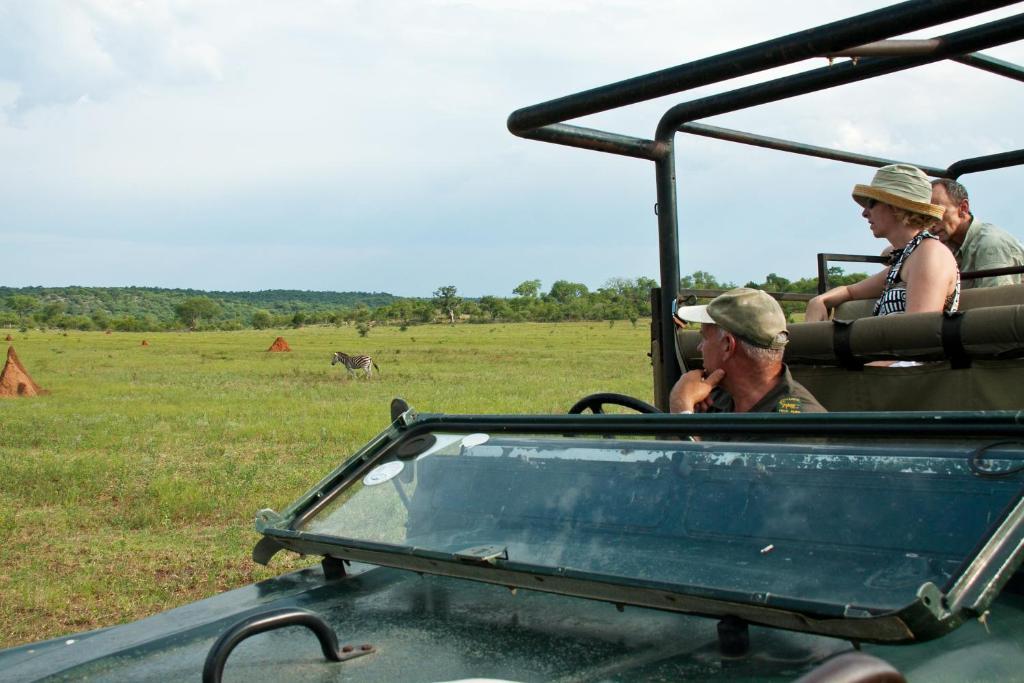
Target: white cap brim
<point>695,314</point>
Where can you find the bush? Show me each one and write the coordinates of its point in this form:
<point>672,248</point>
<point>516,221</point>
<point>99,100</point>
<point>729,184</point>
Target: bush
<point>262,320</point>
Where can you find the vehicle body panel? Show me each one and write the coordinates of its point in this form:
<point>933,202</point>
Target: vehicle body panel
<point>428,628</point>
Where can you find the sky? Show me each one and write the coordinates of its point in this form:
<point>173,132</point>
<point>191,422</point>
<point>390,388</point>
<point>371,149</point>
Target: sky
<point>362,146</point>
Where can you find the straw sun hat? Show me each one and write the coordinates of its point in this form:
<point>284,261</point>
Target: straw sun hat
<point>900,185</point>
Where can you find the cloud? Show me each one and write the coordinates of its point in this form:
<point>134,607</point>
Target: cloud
<point>867,139</point>
<point>60,52</point>
<point>215,125</point>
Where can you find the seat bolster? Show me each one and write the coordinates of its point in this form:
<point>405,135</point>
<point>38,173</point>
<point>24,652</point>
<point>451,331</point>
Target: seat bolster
<point>986,333</point>
<point>995,332</point>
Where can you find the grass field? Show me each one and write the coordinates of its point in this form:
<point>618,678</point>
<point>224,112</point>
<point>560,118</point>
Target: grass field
<point>131,488</point>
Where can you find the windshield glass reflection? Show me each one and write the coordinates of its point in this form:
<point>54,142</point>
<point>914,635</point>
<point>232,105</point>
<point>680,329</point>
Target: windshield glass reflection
<point>848,525</point>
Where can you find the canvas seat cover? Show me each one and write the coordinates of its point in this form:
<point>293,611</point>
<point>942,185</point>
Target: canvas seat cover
<point>991,333</point>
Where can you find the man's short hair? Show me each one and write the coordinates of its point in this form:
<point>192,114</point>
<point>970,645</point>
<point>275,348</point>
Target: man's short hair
<point>955,190</point>
<point>758,354</point>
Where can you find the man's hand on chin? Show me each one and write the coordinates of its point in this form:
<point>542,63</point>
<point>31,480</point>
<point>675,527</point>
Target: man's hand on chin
<point>692,390</point>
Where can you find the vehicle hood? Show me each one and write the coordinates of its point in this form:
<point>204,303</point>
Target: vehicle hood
<point>422,628</point>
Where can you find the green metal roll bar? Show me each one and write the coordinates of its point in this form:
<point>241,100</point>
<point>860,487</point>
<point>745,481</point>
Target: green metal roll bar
<point>864,37</point>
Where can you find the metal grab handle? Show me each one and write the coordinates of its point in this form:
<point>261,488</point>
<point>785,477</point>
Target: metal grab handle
<point>213,669</point>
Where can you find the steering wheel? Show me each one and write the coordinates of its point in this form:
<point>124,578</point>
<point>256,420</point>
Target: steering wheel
<point>595,402</point>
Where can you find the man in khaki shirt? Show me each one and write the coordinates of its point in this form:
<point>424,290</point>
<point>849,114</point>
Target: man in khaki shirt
<point>743,336</point>
<point>976,245</point>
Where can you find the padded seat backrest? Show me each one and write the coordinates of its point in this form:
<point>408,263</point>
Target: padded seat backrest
<point>970,299</point>
<point>991,339</point>
<point>986,333</point>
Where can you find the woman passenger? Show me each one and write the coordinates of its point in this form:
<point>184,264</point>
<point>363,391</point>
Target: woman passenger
<point>922,275</point>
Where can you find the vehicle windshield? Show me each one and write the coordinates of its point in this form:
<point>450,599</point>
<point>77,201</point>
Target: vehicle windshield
<point>855,525</point>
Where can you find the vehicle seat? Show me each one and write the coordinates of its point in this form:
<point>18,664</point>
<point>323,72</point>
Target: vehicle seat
<point>973,360</point>
<point>969,299</point>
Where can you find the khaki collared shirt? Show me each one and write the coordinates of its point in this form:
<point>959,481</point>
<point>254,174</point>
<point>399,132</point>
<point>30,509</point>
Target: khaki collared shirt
<point>985,247</point>
<point>787,396</point>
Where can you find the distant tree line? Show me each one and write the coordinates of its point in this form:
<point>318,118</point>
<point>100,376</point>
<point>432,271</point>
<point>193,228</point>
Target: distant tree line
<point>775,283</point>
<point>149,308</point>
<point>153,309</point>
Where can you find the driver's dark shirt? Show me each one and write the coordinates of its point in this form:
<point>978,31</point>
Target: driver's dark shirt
<point>787,396</point>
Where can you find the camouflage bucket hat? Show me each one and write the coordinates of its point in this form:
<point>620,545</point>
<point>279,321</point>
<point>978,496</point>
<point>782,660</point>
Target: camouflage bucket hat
<point>750,314</point>
<point>900,185</point>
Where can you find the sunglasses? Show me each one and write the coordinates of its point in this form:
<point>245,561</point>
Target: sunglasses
<point>870,203</point>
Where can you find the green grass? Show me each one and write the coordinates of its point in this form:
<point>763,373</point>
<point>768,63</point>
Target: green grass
<point>131,488</point>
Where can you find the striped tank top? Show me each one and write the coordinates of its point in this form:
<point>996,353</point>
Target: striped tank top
<point>894,296</point>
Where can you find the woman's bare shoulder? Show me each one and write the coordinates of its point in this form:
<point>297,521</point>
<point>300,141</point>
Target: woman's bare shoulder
<point>934,249</point>
<point>930,259</point>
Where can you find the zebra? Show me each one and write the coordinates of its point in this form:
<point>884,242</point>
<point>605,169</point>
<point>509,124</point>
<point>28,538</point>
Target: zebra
<point>353,363</point>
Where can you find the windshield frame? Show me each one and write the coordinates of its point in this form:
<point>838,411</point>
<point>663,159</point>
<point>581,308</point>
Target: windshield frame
<point>931,614</point>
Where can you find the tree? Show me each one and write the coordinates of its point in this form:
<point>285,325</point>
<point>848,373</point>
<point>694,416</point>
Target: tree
<point>528,289</point>
<point>493,307</point>
<point>446,299</point>
<point>837,277</point>
<point>194,309</point>
<point>644,285</point>
<point>261,320</point>
<point>702,279</point>
<point>100,319</point>
<point>54,310</point>
<point>22,305</point>
<point>362,313</point>
<point>635,293</point>
<point>423,311</point>
<point>776,283</point>
<point>400,311</point>
<point>564,291</point>
<point>617,285</point>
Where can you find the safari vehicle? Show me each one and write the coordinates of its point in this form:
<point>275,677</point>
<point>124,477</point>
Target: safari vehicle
<point>878,542</point>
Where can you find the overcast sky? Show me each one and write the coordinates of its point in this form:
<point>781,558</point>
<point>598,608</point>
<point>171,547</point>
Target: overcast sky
<point>245,145</point>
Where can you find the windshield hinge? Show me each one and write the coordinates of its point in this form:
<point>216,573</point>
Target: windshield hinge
<point>932,598</point>
<point>334,567</point>
<point>267,518</point>
<point>402,413</point>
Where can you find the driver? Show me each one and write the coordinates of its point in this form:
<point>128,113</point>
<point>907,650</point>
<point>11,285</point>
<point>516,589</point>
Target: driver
<point>743,335</point>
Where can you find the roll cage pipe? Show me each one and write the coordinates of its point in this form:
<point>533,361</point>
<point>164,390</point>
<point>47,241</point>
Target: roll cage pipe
<point>866,36</point>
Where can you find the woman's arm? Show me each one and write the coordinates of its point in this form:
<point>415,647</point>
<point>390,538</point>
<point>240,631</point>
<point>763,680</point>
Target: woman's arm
<point>929,273</point>
<point>822,305</point>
